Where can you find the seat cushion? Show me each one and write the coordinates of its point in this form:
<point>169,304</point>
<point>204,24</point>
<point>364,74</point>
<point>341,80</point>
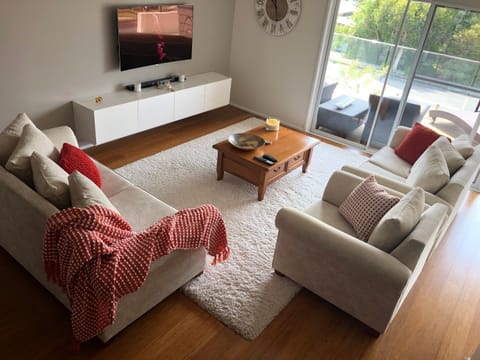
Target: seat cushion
<point>366,205</point>
<point>416,142</point>
<point>377,170</point>
<point>112,183</point>
<point>398,221</point>
<point>330,215</point>
<point>139,208</point>
<point>430,171</point>
<point>388,160</point>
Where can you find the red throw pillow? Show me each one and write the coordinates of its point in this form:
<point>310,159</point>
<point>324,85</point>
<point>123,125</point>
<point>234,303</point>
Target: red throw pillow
<point>415,143</point>
<point>366,205</point>
<point>72,158</point>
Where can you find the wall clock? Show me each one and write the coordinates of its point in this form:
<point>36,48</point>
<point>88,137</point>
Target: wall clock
<point>277,17</point>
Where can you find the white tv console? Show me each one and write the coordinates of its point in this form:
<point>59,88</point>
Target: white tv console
<point>126,112</point>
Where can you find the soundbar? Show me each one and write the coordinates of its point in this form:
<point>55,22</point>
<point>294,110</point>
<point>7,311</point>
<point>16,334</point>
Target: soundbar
<point>150,83</point>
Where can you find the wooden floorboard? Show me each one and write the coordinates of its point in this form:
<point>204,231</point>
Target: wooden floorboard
<point>440,318</point>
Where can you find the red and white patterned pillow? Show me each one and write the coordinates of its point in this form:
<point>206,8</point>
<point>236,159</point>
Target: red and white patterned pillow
<point>366,205</point>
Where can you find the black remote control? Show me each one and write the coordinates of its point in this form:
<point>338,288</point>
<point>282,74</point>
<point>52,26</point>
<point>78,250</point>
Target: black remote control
<point>269,157</point>
<point>265,161</point>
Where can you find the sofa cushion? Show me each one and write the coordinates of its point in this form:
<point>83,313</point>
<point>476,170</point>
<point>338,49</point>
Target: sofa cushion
<point>50,180</point>
<point>398,221</point>
<point>10,135</point>
<point>84,192</point>
<point>32,139</point>
<point>366,205</point>
<point>453,158</point>
<point>72,158</point>
<point>139,208</point>
<point>329,214</point>
<point>415,143</point>
<point>463,145</point>
<point>388,160</point>
<point>430,171</point>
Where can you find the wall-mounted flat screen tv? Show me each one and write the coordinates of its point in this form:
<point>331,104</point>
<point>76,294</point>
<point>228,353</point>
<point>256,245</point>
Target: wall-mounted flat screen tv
<point>154,34</point>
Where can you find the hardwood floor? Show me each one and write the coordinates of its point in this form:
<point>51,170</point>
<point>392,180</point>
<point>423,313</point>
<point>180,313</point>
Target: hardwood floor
<point>440,319</point>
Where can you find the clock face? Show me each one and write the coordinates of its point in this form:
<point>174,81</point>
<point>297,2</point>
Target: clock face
<point>277,17</point>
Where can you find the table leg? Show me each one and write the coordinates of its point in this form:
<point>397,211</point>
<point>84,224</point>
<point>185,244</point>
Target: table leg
<point>306,161</point>
<point>220,165</point>
<point>262,187</point>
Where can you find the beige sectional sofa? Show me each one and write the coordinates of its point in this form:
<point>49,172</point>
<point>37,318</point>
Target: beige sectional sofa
<point>320,250</point>
<point>391,171</point>
<point>23,217</point>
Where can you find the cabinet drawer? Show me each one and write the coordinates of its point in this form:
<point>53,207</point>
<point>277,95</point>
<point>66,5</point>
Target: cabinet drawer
<point>115,122</point>
<point>217,94</point>
<point>155,111</point>
<point>189,102</point>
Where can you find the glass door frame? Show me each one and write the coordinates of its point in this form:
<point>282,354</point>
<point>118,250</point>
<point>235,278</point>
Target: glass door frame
<point>324,54</point>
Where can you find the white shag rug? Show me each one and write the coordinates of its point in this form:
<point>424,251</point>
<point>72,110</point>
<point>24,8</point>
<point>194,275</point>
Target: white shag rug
<point>243,292</point>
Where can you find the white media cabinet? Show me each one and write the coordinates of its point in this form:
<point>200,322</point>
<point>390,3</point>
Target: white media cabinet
<point>126,112</point>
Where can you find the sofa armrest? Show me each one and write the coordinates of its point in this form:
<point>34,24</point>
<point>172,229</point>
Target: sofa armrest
<point>351,274</point>
<point>60,135</point>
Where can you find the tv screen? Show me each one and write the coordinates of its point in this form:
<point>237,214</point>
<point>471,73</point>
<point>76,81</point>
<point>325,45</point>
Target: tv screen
<point>154,34</point>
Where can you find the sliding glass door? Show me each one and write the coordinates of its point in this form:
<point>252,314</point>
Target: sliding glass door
<point>390,63</point>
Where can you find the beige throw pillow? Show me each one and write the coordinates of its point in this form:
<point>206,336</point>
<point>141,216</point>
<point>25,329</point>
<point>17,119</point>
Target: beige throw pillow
<point>50,180</point>
<point>32,139</point>
<point>453,158</point>
<point>365,206</point>
<point>463,145</point>
<point>84,192</point>
<point>430,171</point>
<point>399,221</point>
<point>10,135</point>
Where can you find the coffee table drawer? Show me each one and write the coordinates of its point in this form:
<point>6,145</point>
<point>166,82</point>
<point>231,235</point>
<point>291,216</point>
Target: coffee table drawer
<point>244,172</point>
<point>276,171</point>
<point>295,161</point>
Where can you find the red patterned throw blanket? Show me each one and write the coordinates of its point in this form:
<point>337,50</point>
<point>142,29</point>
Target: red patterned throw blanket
<point>96,257</point>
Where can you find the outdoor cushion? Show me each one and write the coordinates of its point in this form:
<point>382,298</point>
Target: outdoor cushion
<point>430,171</point>
<point>366,205</point>
<point>398,221</point>
<point>415,143</point>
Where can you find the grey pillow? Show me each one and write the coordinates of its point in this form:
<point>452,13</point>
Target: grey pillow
<point>430,171</point>
<point>32,139</point>
<point>10,135</point>
<point>463,145</point>
<point>50,180</point>
<point>453,158</point>
<point>84,192</point>
<point>399,221</point>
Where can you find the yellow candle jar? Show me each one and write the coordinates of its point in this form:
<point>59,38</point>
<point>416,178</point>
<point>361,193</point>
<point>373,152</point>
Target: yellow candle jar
<point>272,124</point>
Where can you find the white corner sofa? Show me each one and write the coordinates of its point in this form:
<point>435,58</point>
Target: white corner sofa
<point>23,218</point>
<point>320,250</point>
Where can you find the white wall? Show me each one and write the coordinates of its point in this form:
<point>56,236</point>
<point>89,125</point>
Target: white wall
<point>53,51</point>
<point>275,75</point>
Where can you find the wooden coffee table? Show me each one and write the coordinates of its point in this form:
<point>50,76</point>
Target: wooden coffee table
<point>291,148</point>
